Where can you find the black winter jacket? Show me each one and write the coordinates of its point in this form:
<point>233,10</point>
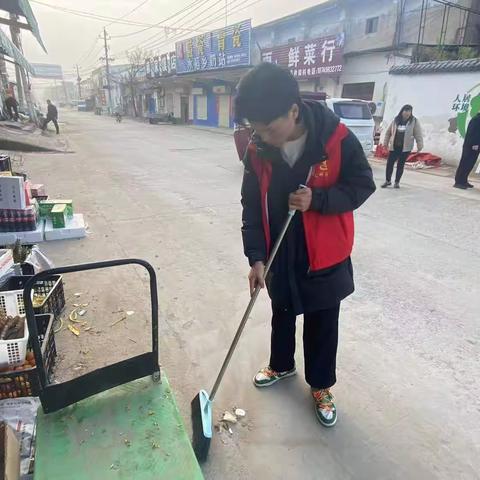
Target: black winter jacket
<point>52,112</point>
<point>290,283</point>
<point>472,136</point>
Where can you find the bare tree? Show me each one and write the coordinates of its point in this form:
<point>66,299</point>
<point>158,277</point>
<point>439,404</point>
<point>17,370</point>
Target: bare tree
<point>136,61</point>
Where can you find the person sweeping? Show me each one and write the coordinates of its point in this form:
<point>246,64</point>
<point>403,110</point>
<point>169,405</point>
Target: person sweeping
<point>301,158</point>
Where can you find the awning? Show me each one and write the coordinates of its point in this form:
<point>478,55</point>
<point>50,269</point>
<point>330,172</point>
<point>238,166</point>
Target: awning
<point>23,8</point>
<point>10,50</point>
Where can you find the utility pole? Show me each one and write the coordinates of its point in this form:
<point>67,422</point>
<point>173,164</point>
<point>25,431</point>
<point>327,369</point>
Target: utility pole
<point>79,84</point>
<point>107,68</point>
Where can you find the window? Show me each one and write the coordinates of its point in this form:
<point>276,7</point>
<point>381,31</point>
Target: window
<point>352,110</point>
<point>360,91</point>
<point>372,25</point>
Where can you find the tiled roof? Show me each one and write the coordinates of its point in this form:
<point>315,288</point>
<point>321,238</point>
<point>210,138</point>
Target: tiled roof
<point>470,65</point>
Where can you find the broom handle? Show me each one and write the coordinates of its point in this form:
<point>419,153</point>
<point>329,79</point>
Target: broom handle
<point>274,252</point>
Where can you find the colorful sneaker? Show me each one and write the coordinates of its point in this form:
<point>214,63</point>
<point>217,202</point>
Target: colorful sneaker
<point>324,407</point>
<point>266,376</point>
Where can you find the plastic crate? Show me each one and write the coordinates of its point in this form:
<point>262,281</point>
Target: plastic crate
<point>11,295</point>
<point>25,383</point>
<point>13,352</point>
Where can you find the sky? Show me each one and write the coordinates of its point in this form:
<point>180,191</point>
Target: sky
<point>72,39</point>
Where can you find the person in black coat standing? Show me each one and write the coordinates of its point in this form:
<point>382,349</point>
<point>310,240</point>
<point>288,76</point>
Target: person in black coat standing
<point>52,116</point>
<point>300,143</point>
<point>471,150</point>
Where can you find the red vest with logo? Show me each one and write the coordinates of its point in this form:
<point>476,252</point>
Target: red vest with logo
<point>329,238</point>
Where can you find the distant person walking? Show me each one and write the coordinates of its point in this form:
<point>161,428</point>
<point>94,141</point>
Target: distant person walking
<point>471,150</point>
<point>52,116</point>
<point>11,105</point>
<point>399,139</point>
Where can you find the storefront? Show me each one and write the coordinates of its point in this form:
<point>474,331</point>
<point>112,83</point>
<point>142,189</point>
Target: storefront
<point>214,63</point>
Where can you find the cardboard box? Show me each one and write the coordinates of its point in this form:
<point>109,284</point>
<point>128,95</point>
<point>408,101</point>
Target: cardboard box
<point>12,193</point>
<point>74,228</point>
<point>59,215</point>
<point>47,205</point>
<point>38,190</point>
<point>5,163</point>
<point>9,453</point>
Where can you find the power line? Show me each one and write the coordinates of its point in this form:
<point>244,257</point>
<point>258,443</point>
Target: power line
<point>215,19</point>
<point>147,43</point>
<point>201,4</point>
<point>94,16</point>
<point>89,51</point>
<point>158,23</point>
<point>141,4</point>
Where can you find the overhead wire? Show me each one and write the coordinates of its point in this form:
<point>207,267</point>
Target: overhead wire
<point>86,55</point>
<point>140,5</point>
<point>217,18</point>
<point>159,23</point>
<point>172,26</point>
<point>95,16</point>
<point>149,42</point>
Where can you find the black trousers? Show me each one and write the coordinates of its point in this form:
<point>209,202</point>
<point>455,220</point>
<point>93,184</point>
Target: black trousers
<point>392,158</point>
<point>46,122</point>
<point>320,340</point>
<point>468,161</point>
<point>13,112</point>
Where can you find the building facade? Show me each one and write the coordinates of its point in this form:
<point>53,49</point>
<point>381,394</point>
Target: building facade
<point>369,38</point>
<point>343,48</point>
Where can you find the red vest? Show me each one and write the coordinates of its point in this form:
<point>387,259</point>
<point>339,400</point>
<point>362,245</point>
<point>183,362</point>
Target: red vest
<point>329,238</point>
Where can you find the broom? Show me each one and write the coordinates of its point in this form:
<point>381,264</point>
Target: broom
<point>202,403</point>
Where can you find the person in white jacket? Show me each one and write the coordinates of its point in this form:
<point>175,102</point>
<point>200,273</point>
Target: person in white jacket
<point>399,139</point>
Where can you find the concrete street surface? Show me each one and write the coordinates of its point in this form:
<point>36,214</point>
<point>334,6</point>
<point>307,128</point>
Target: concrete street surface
<point>408,364</point>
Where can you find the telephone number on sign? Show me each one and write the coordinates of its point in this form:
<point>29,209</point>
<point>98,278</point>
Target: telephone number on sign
<point>302,72</point>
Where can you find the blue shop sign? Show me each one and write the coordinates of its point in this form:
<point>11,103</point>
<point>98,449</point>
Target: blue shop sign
<point>224,48</point>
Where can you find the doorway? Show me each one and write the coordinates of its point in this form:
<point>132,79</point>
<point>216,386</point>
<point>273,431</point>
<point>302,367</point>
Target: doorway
<point>184,116</point>
<point>224,111</point>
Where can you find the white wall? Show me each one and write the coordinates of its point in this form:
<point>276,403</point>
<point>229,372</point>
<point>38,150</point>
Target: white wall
<point>373,67</point>
<point>432,97</point>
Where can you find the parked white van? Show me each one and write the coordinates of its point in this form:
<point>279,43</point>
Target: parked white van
<point>357,116</point>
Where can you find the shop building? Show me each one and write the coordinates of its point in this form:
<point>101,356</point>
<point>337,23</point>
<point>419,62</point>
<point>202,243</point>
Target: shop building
<point>211,65</point>
<point>371,37</point>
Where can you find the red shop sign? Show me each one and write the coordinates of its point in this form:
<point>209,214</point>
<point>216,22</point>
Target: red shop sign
<point>309,58</point>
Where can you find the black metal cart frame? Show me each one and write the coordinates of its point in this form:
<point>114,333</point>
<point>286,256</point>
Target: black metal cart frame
<point>57,396</point>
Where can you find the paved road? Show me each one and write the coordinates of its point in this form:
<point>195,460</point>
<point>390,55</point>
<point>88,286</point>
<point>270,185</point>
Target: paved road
<point>408,390</point>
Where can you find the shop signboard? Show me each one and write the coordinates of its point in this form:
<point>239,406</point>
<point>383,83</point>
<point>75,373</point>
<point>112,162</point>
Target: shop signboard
<point>309,58</point>
<point>161,65</point>
<point>46,70</point>
<point>223,48</point>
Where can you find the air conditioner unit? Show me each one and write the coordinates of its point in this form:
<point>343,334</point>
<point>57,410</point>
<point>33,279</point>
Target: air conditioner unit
<point>380,110</point>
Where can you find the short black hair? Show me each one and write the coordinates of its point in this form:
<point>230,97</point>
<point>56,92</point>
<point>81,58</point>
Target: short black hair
<point>265,93</point>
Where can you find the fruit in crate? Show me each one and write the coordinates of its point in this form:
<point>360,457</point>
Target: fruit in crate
<point>38,300</point>
<point>27,364</point>
<point>11,327</point>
